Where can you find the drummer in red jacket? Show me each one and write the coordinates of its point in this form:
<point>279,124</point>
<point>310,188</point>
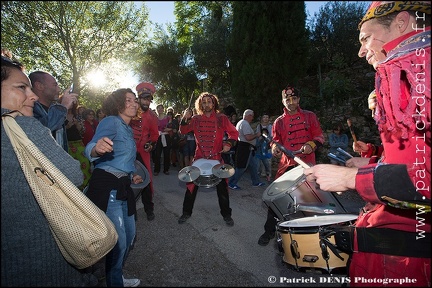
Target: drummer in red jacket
<point>209,126</point>
<point>296,129</point>
<point>392,234</point>
<point>145,129</point>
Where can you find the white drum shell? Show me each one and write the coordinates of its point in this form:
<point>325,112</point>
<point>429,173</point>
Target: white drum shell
<point>301,241</point>
<point>292,184</point>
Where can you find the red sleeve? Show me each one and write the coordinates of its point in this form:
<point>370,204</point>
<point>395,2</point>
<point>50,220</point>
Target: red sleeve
<point>186,128</point>
<point>154,132</point>
<point>316,131</point>
<point>230,129</point>
<point>365,184</point>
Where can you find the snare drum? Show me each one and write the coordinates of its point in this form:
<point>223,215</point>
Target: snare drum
<point>309,242</point>
<point>143,172</point>
<point>206,179</point>
<point>280,194</point>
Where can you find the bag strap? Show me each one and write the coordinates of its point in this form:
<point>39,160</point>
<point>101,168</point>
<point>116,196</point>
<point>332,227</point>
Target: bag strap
<point>13,130</point>
<point>19,138</point>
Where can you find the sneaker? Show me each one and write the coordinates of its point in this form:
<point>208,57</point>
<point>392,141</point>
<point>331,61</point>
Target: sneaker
<point>150,216</point>
<point>166,172</point>
<point>183,218</point>
<point>133,282</point>
<point>234,187</point>
<point>229,221</point>
<point>259,184</point>
<point>265,238</point>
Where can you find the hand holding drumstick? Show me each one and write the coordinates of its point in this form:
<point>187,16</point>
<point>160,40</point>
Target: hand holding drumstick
<point>352,131</point>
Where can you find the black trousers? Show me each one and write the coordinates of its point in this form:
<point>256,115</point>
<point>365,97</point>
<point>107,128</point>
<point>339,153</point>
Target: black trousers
<point>157,153</point>
<point>271,222</point>
<point>147,199</point>
<point>223,197</point>
<point>146,193</point>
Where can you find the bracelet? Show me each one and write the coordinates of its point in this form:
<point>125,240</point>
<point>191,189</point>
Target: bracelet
<point>311,144</point>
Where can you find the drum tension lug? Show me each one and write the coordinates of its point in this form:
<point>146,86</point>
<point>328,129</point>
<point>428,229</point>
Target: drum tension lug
<point>310,258</point>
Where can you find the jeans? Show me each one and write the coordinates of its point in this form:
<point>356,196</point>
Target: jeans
<point>117,212</point>
<point>252,164</point>
<point>267,166</point>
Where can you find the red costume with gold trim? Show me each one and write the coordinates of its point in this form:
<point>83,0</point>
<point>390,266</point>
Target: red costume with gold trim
<point>403,117</point>
<point>292,132</point>
<point>145,130</point>
<point>209,136</point>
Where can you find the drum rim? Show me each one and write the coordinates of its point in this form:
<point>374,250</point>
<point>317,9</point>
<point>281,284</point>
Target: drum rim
<point>295,183</point>
<point>303,219</point>
<point>212,176</point>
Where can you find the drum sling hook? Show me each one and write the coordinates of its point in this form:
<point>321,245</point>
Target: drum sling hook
<point>324,252</point>
<point>324,243</point>
<point>294,251</point>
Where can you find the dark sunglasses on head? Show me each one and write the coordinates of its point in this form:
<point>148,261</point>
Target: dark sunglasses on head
<point>11,62</point>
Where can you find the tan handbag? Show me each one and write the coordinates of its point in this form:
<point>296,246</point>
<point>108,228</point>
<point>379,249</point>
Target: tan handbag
<point>82,231</point>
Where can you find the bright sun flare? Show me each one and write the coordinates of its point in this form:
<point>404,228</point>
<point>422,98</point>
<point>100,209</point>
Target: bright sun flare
<point>96,78</point>
<point>111,77</point>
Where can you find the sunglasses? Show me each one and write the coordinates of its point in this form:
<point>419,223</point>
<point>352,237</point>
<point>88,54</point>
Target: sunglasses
<point>11,62</point>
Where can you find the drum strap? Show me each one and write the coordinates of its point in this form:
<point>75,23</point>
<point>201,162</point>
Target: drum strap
<point>394,242</point>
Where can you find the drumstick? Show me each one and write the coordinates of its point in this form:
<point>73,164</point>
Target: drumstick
<point>352,131</point>
<point>301,162</point>
<point>287,152</point>
<point>291,155</point>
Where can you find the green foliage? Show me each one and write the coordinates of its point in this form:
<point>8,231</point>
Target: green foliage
<point>338,81</point>
<point>166,64</point>
<point>70,38</point>
<point>267,51</point>
<point>334,34</point>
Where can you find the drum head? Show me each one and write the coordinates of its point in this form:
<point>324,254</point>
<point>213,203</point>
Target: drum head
<point>285,183</point>
<point>319,220</point>
<point>143,172</point>
<point>205,165</point>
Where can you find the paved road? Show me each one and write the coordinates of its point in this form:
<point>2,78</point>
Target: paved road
<point>204,251</point>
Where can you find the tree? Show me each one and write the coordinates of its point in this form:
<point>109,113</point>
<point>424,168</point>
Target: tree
<point>166,63</point>
<point>71,38</point>
<point>268,49</point>
<point>210,49</point>
<point>334,48</point>
<point>179,60</point>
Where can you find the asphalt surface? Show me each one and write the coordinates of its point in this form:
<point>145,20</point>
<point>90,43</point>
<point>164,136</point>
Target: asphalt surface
<point>205,252</point>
